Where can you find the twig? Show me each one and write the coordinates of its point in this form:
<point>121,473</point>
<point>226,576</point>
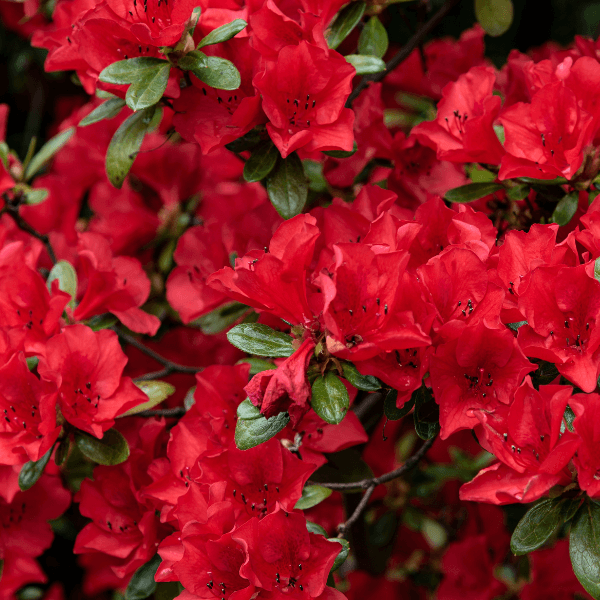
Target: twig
<point>362,409</point>
<point>169,366</point>
<point>405,51</point>
<point>365,484</point>
<point>343,527</point>
<point>178,411</point>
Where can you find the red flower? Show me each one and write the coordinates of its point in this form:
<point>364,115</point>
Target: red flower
<point>479,370</point>
<point>463,131</point>
<point>587,426</point>
<point>303,97</point>
<point>285,388</point>
<point>87,368</point>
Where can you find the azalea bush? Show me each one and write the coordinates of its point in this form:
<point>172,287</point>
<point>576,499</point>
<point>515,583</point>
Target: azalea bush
<point>291,308</point>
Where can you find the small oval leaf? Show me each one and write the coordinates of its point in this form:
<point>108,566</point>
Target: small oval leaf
<point>495,16</point>
<point>536,527</point>
<point>223,33</point>
<point>471,192</point>
<point>219,73</point>
<point>47,151</point>
<point>391,411</point>
<point>253,429</point>
<point>373,40</point>
<point>112,449</point>
<point>341,153</point>
<point>142,583</point>
<point>107,110</point>
<point>255,338</point>
<point>347,19</point>
<point>287,187</point>
<point>330,398</point>
<point>311,496</point>
<point>565,209</point>
<point>130,69</point>
<point>193,60</point>
<point>343,555</point>
<point>149,87</point>
<point>67,279</point>
<point>157,391</point>
<point>35,196</point>
<point>31,471</point>
<point>261,163</point>
<point>365,65</point>
<point>584,548</point>
<point>367,383</point>
<point>426,415</point>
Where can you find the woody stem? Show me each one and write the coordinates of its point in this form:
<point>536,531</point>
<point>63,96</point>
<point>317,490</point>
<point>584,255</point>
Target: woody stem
<point>415,41</point>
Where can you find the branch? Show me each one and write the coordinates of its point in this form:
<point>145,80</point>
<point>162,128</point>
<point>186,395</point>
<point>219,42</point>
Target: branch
<point>343,527</point>
<point>13,211</point>
<point>365,484</point>
<point>169,366</point>
<point>178,411</point>
<point>416,40</point>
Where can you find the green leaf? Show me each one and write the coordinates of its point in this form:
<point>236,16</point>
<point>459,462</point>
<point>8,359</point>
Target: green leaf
<point>126,143</point>
<point>221,318</point>
<point>287,187</point>
<point>253,429</point>
<point>107,110</point>
<point>347,19</point>
<point>131,69</point>
<point>330,398</point>
<point>346,466</point>
<point>516,325</point>
<point>343,555</point>
<point>4,153</point>
<point>47,151</point>
<point>471,192</point>
<point>365,65</point>
<point>316,529</point>
<point>565,209</point>
<point>112,449</point>
<point>35,196</point>
<point>584,548</point>
<point>391,411</point>
<point>495,16</point>
<point>536,527</point>
<point>62,451</point>
<point>149,88</point>
<point>311,496</point>
<point>193,60</point>
<point>367,383</point>
<point>518,192</point>
<point>426,413</point>
<point>341,153</point>
<point>255,338</point>
<point>157,391</point>
<point>373,40</point>
<point>261,163</point>
<point>223,33</point>
<point>67,279</point>
<point>104,321</point>
<point>257,365</point>
<point>31,471</point>
<point>219,73</point>
<point>142,583</point>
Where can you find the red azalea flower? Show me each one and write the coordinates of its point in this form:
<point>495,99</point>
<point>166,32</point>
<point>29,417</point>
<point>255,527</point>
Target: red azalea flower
<point>303,97</point>
<point>587,426</point>
<point>87,368</point>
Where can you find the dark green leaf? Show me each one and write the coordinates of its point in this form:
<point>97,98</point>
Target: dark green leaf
<point>367,383</point>
<point>584,548</point>
<point>426,413</point>
<point>35,196</point>
<point>342,153</point>
<point>314,173</point>
<point>221,318</point>
<point>347,19</point>
<point>255,338</point>
<point>536,527</point>
<point>330,398</point>
<point>543,182</point>
<point>31,471</point>
<point>147,89</point>
<point>247,142</point>
<point>105,321</point>
<point>565,209</point>
<point>262,161</point>
<point>62,451</point>
<point>67,279</point>
<point>125,145</point>
<point>495,16</point>
<point>569,417</point>
<point>47,151</point>
<point>287,187</point>
<point>253,429</point>
<point>311,496</point>
<point>365,65</point>
<point>219,73</point>
<point>597,269</point>
<point>373,38</point>
<point>391,411</point>
<point>142,583</point>
<point>157,391</point>
<point>131,69</point>
<point>193,60</point>
<point>515,326</point>
<point>107,110</point>
<point>345,466</point>
<point>471,192</point>
<point>518,192</point>
<point>343,555</point>
<point>257,365</point>
<point>223,33</point>
<point>316,529</point>
<point>112,449</point>
<point>546,373</point>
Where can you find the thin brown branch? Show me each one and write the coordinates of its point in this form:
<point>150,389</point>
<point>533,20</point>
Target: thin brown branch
<point>361,410</point>
<point>414,42</point>
<point>344,527</point>
<point>177,411</point>
<point>365,484</point>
